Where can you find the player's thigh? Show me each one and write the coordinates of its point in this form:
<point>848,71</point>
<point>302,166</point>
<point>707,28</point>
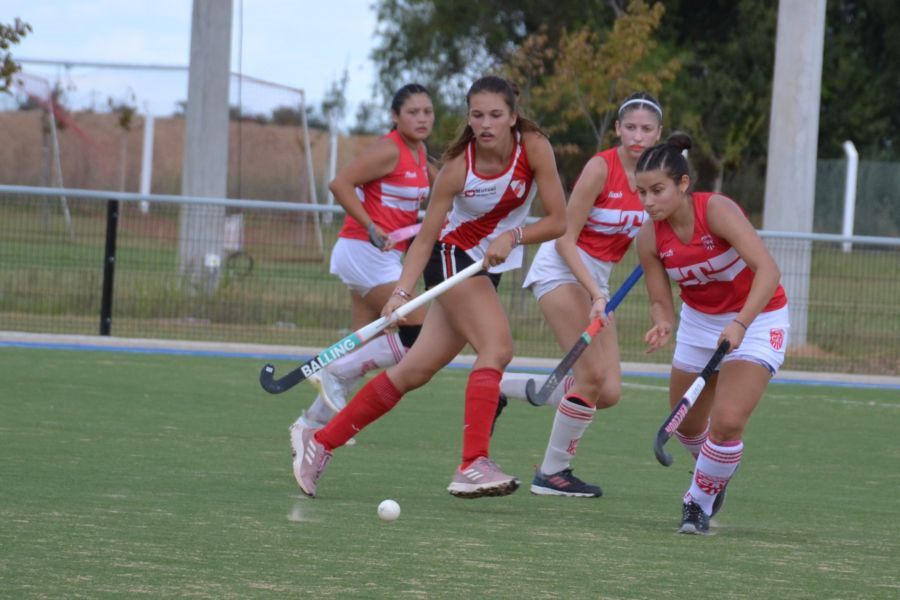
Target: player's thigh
<point>566,309</point>
<point>697,419</point>
<point>475,312</point>
<point>740,388</point>
<point>438,343</point>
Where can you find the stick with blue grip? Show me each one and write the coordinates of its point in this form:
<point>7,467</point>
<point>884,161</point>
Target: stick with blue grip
<point>540,397</point>
<point>357,338</point>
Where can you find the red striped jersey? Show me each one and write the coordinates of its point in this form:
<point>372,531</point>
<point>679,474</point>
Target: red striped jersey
<point>616,216</point>
<point>713,277</point>
<point>490,205</point>
<point>392,201</point>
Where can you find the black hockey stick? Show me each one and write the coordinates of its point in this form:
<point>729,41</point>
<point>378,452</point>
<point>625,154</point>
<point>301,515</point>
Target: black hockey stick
<point>540,397</point>
<point>357,338</point>
<point>684,405</point>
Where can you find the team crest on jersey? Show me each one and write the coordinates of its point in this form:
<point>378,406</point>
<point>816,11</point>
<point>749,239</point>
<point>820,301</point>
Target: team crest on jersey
<point>613,195</point>
<point>776,338</point>
<point>518,187</point>
<point>708,242</point>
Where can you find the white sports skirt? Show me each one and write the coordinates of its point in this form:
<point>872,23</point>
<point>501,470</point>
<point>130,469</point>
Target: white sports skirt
<point>362,266</point>
<point>549,270</point>
<point>764,342</point>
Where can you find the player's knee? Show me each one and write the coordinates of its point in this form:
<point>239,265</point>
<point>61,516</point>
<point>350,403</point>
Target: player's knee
<point>723,430</point>
<point>609,394</point>
<point>496,357</point>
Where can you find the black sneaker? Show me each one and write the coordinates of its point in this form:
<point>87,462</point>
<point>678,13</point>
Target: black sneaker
<point>718,502</point>
<point>501,404</point>
<point>563,483</point>
<point>693,519</point>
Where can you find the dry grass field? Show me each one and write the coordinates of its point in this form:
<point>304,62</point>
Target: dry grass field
<point>265,161</point>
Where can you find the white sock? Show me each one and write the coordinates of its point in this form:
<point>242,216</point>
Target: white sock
<point>693,444</point>
<point>714,468</point>
<point>569,425</point>
<point>384,351</point>
<point>513,386</point>
<point>317,415</point>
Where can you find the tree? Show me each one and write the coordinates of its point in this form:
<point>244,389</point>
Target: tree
<point>861,78</point>
<point>9,36</point>
<point>447,43</point>
<point>582,80</point>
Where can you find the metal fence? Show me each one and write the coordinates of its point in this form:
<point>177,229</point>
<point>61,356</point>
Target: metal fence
<point>89,262</point>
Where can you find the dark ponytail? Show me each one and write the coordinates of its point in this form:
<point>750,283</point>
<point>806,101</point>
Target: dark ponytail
<point>667,157</point>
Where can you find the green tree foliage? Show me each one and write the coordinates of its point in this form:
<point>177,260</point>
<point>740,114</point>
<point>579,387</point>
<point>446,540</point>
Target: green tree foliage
<point>722,96</point>
<point>575,87</point>
<point>9,36</point>
<point>861,79</point>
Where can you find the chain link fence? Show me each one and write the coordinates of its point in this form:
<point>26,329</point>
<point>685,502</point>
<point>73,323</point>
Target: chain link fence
<point>270,283</point>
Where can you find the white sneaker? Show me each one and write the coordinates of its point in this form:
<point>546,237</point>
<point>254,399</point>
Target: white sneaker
<point>309,457</point>
<point>333,389</point>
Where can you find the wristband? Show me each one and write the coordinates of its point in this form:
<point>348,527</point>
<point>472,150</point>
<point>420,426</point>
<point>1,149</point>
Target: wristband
<point>741,324</point>
<point>517,236</point>
<point>402,293</point>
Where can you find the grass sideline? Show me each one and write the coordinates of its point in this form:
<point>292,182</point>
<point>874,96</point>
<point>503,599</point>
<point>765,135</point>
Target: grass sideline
<point>168,476</point>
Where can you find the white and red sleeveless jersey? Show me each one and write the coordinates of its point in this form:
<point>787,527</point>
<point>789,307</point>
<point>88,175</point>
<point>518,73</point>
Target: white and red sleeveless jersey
<point>392,201</point>
<point>616,216</point>
<point>490,205</point>
<point>713,277</point>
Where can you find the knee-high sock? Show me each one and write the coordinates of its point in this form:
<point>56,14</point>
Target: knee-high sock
<point>482,394</point>
<point>372,401</point>
<point>382,352</point>
<point>693,444</point>
<point>713,471</point>
<point>513,386</point>
<point>571,421</point>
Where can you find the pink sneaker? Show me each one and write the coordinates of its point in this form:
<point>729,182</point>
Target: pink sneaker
<point>310,458</point>
<point>482,478</point>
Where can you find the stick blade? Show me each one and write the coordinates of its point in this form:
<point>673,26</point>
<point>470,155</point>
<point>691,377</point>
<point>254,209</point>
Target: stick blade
<point>531,394</point>
<point>268,382</point>
<point>664,458</point>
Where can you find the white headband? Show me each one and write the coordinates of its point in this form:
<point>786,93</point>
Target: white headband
<point>651,103</point>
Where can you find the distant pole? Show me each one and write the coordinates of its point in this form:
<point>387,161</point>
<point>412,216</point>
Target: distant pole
<point>793,143</point>
<point>205,169</point>
<point>147,158</point>
<point>332,162</point>
<point>850,192</point>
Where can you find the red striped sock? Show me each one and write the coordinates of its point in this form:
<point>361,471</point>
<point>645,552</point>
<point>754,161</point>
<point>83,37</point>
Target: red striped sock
<point>372,401</point>
<point>714,468</point>
<point>482,395</point>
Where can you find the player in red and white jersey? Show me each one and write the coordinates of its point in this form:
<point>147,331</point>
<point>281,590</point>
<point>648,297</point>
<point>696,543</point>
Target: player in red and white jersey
<point>730,288</point>
<point>381,190</point>
<point>570,279</point>
<point>486,183</point>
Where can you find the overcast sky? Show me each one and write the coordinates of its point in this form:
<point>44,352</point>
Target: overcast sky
<point>298,43</point>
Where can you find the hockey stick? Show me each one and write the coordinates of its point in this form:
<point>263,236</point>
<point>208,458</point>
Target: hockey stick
<point>404,233</point>
<point>357,338</point>
<point>684,405</point>
<point>539,398</point>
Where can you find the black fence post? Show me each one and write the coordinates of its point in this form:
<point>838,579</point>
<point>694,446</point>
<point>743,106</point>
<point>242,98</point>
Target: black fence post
<point>109,266</point>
